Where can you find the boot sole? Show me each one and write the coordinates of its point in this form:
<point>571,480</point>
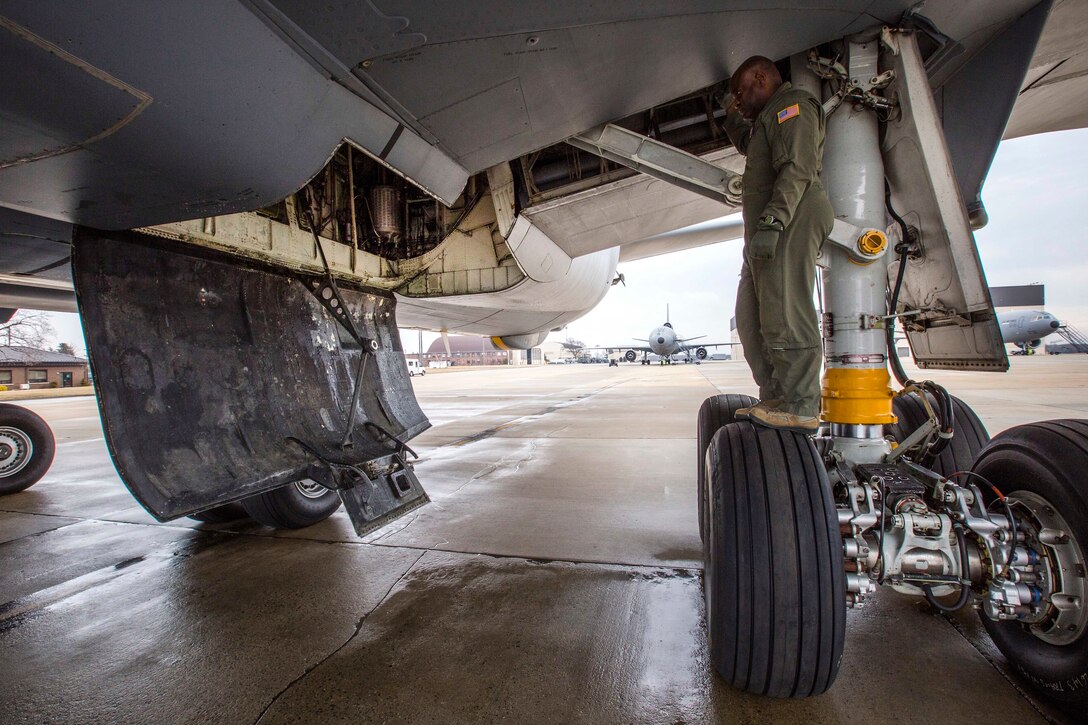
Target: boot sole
<point>807,430</point>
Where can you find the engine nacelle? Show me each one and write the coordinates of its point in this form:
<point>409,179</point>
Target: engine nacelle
<point>701,353</point>
<point>519,342</point>
<point>630,356</point>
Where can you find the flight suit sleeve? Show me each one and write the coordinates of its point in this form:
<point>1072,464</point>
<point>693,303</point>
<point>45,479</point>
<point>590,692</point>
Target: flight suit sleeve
<point>738,130</point>
<point>794,137</point>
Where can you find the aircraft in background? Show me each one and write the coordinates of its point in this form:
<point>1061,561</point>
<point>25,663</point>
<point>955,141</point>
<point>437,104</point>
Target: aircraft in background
<point>662,341</point>
<point>1027,328</point>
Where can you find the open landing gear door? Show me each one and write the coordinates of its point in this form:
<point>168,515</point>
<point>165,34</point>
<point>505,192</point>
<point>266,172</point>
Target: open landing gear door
<point>951,324</point>
<point>219,379</point>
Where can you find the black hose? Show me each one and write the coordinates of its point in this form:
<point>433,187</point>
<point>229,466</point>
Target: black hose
<point>948,416</point>
<point>880,537</point>
<point>893,303</point>
<point>946,420</point>
<point>965,583</point>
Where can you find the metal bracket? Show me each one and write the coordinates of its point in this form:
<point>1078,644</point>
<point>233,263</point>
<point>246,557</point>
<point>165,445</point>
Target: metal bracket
<point>373,493</point>
<point>854,240</point>
<point>661,161</point>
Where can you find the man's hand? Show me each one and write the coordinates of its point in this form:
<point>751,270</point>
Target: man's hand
<point>764,242</point>
<point>727,101</point>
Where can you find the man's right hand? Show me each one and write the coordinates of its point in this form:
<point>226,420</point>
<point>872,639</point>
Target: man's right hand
<point>727,101</point>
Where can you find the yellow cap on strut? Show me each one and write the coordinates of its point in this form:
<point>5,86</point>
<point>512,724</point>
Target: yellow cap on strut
<point>872,242</point>
<point>860,396</point>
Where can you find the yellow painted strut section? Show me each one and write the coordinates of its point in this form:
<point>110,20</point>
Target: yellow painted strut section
<point>497,342</point>
<point>857,396</point>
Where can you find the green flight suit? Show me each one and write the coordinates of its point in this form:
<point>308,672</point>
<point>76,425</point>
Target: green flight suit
<point>776,318</point>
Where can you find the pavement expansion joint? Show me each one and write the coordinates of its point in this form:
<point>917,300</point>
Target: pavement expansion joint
<point>494,466</point>
<point>958,627</point>
<point>345,643</point>
<point>649,571</point>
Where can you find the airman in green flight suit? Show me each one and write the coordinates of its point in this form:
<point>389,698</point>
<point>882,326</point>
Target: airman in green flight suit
<point>787,217</point>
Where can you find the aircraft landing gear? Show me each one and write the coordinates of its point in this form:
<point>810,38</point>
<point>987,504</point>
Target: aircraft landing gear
<point>26,448</point>
<point>773,577</point>
<point>294,506</point>
<point>797,529</point>
<point>715,412</point>
<point>1039,619</point>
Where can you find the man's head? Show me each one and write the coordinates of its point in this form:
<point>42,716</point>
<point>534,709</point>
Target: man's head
<point>753,85</point>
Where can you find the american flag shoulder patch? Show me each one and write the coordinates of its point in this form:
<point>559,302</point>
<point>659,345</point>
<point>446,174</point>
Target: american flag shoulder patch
<point>789,112</point>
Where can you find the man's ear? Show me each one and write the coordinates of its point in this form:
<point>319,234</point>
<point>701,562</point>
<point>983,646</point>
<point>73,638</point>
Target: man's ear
<point>759,78</point>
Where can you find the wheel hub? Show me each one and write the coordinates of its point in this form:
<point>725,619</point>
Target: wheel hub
<point>1062,616</point>
<point>16,451</point>
<point>309,489</point>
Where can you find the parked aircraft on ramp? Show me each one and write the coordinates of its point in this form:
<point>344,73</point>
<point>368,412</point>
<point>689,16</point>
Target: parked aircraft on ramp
<point>1027,328</point>
<point>664,342</point>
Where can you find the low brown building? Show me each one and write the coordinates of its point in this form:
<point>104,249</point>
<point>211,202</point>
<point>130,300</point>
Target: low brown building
<point>466,350</point>
<point>21,366</point>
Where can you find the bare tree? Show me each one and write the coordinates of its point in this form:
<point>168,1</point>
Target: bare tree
<point>29,329</point>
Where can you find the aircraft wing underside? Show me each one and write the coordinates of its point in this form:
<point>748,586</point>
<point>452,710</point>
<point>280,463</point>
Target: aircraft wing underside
<point>434,91</point>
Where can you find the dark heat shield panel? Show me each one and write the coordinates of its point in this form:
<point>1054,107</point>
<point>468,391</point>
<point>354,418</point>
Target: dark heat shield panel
<point>206,366</point>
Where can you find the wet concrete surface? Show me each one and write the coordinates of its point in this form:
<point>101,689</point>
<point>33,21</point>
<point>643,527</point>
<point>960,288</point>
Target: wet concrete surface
<point>555,577</point>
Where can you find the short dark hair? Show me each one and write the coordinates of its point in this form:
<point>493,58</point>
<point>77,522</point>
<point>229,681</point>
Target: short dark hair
<point>756,62</point>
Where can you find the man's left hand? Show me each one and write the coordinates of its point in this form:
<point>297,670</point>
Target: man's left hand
<point>765,241</point>
<point>763,244</point>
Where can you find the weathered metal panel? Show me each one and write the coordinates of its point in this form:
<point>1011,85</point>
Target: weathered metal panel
<point>206,365</point>
<point>956,327</point>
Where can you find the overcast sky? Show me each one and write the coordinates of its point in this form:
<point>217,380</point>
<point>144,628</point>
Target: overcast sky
<point>1035,194</point>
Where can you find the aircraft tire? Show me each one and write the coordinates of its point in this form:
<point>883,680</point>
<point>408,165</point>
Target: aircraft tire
<point>969,436</point>
<point>773,565</point>
<point>222,514</point>
<point>26,447</point>
<point>716,411</point>
<point>294,506</point>
<point>1042,466</point>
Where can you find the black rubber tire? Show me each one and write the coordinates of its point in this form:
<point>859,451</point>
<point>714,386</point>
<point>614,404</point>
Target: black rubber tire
<point>1048,459</point>
<point>716,411</point>
<point>287,508</point>
<point>969,435</point>
<point>222,514</point>
<point>31,425</point>
<point>773,577</point>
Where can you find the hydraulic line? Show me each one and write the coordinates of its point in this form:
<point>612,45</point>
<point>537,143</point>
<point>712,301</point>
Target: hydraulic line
<point>947,416</point>
<point>904,249</point>
<point>944,400</point>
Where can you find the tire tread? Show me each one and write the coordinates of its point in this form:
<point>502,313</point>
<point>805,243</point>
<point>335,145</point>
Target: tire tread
<point>775,613</point>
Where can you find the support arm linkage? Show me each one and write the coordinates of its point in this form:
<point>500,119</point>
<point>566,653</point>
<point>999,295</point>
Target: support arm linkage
<point>661,161</point>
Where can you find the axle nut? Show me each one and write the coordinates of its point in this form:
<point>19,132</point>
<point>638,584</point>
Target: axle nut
<point>872,242</point>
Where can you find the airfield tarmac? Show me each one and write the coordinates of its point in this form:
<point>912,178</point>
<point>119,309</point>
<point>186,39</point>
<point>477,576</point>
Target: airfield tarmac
<point>555,577</point>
